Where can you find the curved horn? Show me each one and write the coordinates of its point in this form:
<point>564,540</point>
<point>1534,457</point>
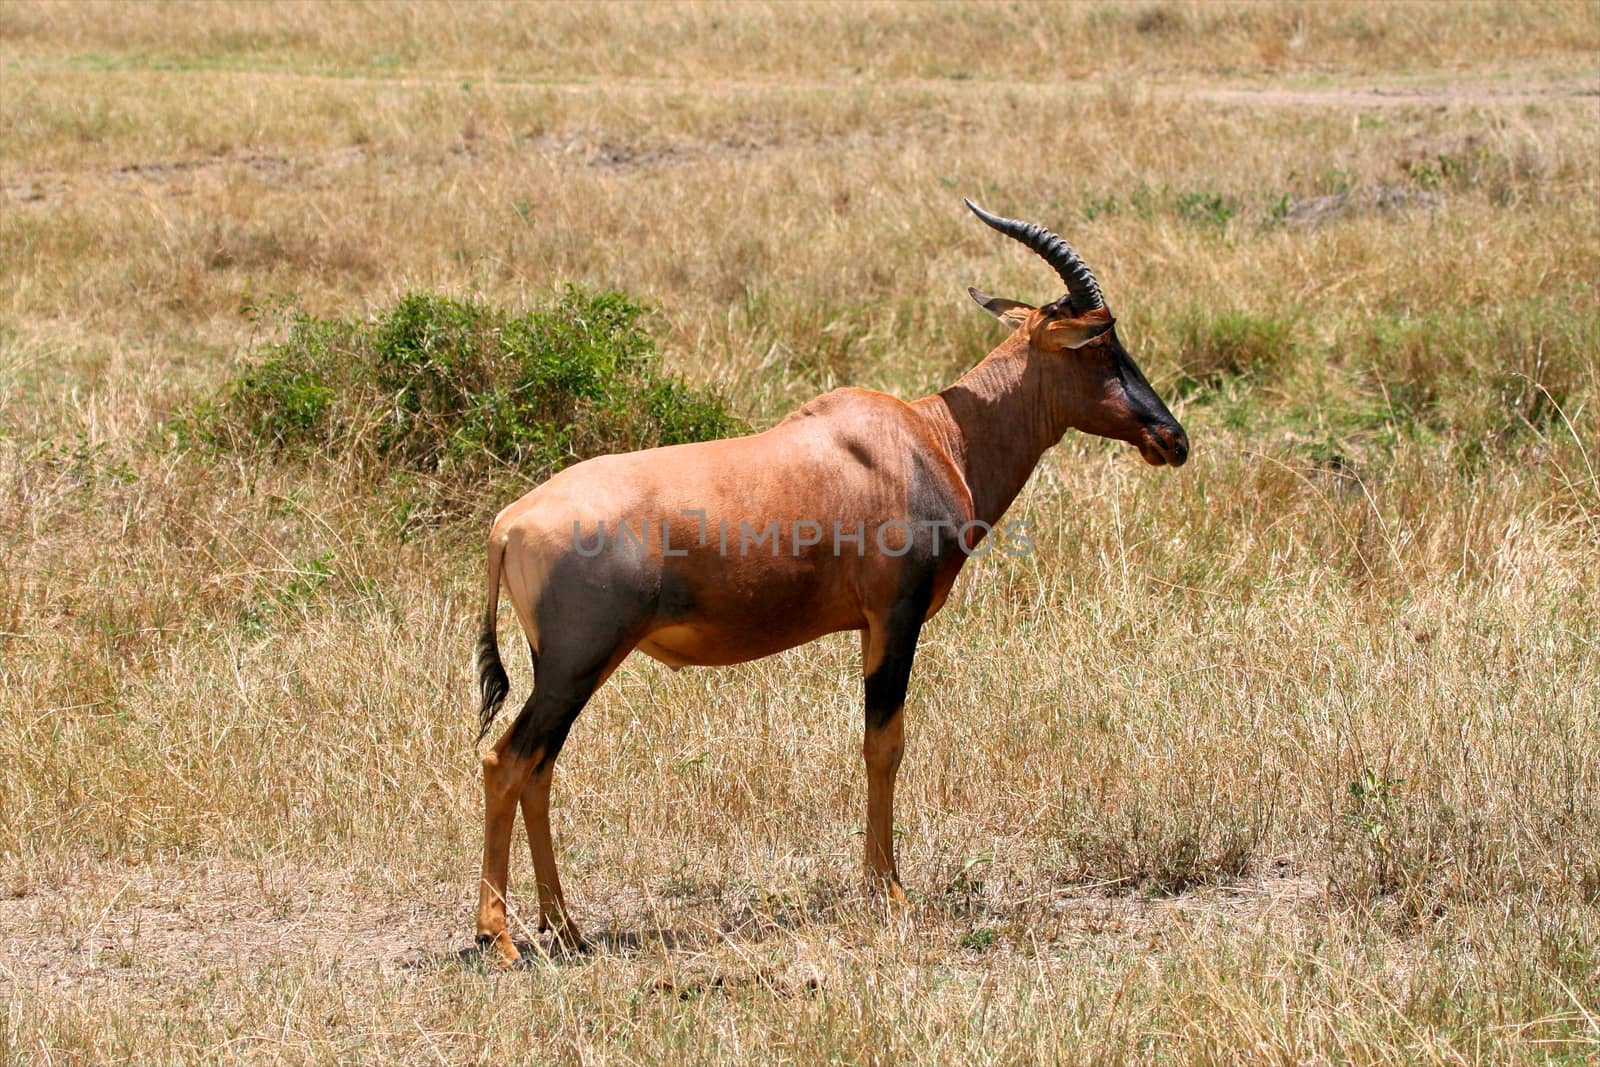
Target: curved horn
<point>1083,291</point>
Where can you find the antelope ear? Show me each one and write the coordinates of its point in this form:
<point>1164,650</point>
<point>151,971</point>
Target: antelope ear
<point>1011,312</point>
<point>1075,333</point>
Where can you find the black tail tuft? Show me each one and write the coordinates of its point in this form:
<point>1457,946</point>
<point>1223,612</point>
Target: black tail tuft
<point>492,681</point>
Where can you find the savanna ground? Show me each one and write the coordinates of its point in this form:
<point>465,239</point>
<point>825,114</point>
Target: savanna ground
<point>1291,755</point>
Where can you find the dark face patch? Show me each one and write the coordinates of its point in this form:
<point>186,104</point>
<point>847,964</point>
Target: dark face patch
<point>1164,440</point>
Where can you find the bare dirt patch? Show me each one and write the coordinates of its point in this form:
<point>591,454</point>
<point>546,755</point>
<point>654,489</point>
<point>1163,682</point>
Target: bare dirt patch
<point>162,923</point>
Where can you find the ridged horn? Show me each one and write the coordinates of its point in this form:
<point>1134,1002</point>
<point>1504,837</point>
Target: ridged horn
<point>1083,292</point>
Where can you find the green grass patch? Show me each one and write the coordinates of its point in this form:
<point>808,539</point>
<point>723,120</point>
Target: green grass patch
<point>1206,208</point>
<point>1212,347</point>
<point>1483,375</point>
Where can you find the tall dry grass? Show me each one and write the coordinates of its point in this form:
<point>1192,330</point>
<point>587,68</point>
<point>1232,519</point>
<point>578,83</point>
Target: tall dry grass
<point>1289,756</point>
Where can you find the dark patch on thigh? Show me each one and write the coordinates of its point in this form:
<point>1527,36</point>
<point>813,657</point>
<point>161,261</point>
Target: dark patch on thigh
<point>594,602</point>
<point>589,610</point>
<point>674,597</point>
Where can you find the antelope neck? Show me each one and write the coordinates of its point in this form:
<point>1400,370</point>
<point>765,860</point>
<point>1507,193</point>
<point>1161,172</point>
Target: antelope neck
<point>997,419</point>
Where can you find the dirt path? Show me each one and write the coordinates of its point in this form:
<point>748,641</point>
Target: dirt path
<point>1461,94</point>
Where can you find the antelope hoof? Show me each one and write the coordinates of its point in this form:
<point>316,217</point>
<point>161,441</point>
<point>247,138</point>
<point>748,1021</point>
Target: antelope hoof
<point>887,886</point>
<point>570,941</point>
<point>499,949</point>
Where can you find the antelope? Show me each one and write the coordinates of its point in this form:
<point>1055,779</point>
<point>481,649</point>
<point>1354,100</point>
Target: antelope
<point>674,583</point>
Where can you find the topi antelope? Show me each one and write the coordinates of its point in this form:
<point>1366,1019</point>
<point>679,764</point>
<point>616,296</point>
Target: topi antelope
<point>854,513</point>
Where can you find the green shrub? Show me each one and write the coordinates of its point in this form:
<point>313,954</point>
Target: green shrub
<point>436,385</point>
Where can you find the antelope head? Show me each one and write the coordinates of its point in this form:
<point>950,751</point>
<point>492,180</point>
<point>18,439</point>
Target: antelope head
<point>1102,390</point>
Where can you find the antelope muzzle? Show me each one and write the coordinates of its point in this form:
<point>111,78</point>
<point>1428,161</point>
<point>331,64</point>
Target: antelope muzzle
<point>1159,437</point>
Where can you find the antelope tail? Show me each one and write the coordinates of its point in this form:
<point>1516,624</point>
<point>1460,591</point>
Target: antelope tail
<point>493,685</point>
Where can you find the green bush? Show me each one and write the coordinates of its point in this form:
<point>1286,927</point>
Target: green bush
<point>438,385</point>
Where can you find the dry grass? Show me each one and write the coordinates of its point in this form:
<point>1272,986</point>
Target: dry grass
<point>1290,756</point>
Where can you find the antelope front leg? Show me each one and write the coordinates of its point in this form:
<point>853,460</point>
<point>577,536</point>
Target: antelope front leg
<point>881,748</point>
<point>888,646</point>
